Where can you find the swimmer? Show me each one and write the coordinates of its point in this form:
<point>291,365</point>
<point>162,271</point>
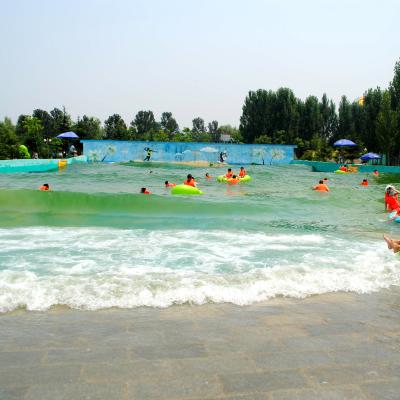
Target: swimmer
<point>326,180</point>
<point>229,174</point>
<point>392,244</point>
<point>321,187</point>
<point>375,173</point>
<point>208,176</point>
<point>343,168</point>
<point>167,184</point>
<point>45,187</point>
<point>234,180</point>
<point>145,191</point>
<point>364,182</point>
<point>242,172</point>
<point>190,181</point>
<point>391,198</point>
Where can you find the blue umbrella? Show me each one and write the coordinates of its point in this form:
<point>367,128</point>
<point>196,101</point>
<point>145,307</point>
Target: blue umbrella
<point>344,142</point>
<point>68,135</point>
<point>370,156</point>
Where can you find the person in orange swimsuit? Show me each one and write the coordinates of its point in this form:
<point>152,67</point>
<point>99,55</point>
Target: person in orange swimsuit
<point>229,173</point>
<point>391,199</point>
<point>375,173</point>
<point>167,184</point>
<point>234,180</point>
<point>242,172</point>
<point>145,191</point>
<point>190,181</point>
<point>321,187</point>
<point>364,182</point>
<point>208,176</point>
<point>44,187</point>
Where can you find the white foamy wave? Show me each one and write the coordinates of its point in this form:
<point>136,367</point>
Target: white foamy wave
<point>100,268</point>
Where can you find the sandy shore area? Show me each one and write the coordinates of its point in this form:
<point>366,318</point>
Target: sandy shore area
<point>336,346</point>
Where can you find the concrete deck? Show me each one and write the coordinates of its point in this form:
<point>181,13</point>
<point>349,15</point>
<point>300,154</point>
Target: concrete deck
<point>336,346</point>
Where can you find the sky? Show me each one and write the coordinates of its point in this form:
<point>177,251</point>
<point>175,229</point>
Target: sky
<point>192,58</point>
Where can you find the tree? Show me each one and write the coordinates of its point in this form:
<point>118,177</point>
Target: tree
<point>311,120</point>
<point>394,87</point>
<point>198,125</point>
<point>345,123</point>
<point>371,108</point>
<point>46,121</point>
<point>387,129</point>
<point>20,129</point>
<point>61,121</point>
<point>213,131</point>
<point>168,123</point>
<point>115,128</point>
<point>328,118</point>
<point>144,122</point>
<point>88,128</point>
<point>8,140</point>
<point>34,139</point>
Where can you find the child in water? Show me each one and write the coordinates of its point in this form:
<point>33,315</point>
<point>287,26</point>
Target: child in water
<point>392,244</point>
<point>321,187</point>
<point>45,187</point>
<point>229,173</point>
<point>167,184</point>
<point>145,191</point>
<point>208,176</point>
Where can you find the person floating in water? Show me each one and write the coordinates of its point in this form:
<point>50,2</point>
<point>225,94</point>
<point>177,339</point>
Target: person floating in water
<point>343,168</point>
<point>190,181</point>
<point>375,173</point>
<point>242,172</point>
<point>145,191</point>
<point>149,153</point>
<point>392,244</point>
<point>167,184</point>
<point>364,182</point>
<point>321,187</point>
<point>326,180</point>
<point>208,176</point>
<point>229,173</point>
<point>45,187</point>
<point>234,180</point>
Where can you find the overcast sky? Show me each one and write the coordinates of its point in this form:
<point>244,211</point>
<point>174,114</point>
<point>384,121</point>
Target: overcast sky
<point>193,58</point>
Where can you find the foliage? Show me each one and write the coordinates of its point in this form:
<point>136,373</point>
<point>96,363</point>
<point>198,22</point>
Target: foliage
<point>213,131</point>
<point>198,125</point>
<point>88,128</point>
<point>8,140</point>
<point>115,128</point>
<point>168,123</point>
<point>144,122</point>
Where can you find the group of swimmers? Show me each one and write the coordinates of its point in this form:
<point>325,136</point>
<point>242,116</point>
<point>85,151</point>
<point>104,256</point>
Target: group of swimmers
<point>231,179</point>
<point>323,187</point>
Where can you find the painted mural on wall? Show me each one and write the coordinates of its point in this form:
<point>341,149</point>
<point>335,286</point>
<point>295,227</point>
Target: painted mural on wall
<point>187,152</point>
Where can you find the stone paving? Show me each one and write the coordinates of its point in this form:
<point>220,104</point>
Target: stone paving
<point>337,346</point>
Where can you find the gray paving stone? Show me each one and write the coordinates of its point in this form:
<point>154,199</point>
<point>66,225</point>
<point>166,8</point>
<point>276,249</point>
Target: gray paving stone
<point>175,350</point>
<point>261,381</point>
<point>124,372</point>
<point>79,391</point>
<point>389,390</point>
<point>290,360</point>
<point>17,393</point>
<point>327,393</point>
<point>21,358</point>
<point>18,376</point>
<point>86,355</point>
<point>182,387</point>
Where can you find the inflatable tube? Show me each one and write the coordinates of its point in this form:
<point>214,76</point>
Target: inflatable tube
<point>393,215</point>
<point>339,171</point>
<point>224,179</point>
<point>186,190</point>
<point>246,178</point>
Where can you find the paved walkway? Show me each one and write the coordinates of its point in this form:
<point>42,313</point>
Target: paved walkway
<point>336,346</point>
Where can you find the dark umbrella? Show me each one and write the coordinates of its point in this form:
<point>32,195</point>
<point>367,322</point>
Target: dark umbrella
<point>370,156</point>
<point>344,142</point>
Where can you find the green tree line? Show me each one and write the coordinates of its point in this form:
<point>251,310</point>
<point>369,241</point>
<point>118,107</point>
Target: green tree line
<point>276,117</point>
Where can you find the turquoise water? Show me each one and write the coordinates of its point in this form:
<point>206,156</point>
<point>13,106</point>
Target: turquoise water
<point>95,242</point>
